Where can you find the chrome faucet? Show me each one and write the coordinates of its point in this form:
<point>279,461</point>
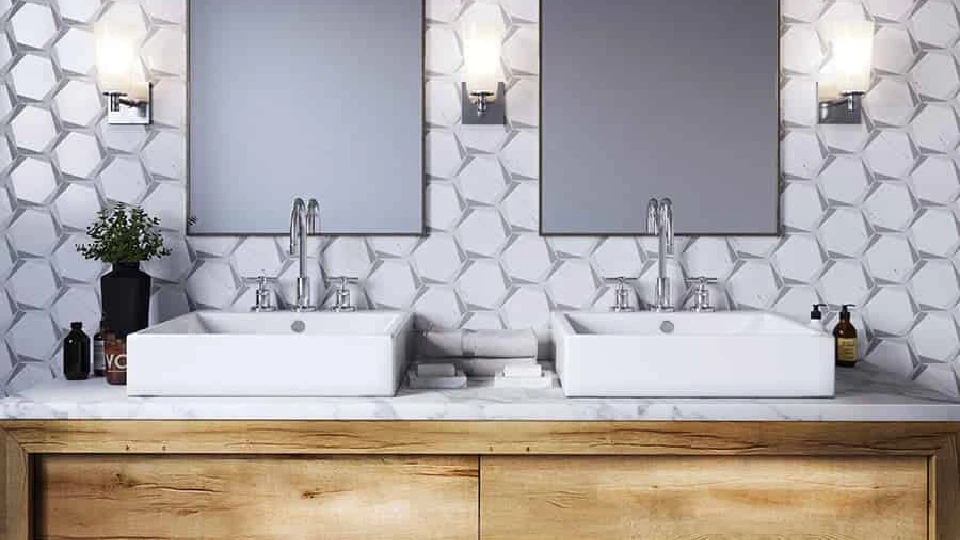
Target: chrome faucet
<point>660,222</point>
<point>304,220</point>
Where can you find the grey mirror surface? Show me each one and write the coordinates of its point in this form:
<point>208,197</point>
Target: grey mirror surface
<point>660,98</point>
<point>306,98</point>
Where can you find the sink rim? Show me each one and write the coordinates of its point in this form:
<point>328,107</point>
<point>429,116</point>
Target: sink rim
<point>560,323</point>
<point>396,324</point>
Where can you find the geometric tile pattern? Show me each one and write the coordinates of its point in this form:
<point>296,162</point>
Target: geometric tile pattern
<point>870,212</point>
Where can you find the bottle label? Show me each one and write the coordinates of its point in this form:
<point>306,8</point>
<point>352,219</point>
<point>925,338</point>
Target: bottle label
<point>99,356</point>
<point>116,360</point>
<point>846,349</point>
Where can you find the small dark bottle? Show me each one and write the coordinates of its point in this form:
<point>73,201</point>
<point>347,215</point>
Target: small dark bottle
<point>846,349</point>
<point>76,353</point>
<point>99,348</point>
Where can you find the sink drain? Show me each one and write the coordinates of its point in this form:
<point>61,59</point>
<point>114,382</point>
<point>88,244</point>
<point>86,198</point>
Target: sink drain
<point>298,326</point>
<point>666,327</point>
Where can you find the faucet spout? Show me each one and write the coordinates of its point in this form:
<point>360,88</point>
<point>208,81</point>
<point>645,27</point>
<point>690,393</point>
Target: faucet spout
<point>303,221</point>
<point>660,222</point>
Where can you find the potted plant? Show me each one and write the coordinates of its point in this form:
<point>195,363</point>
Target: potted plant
<point>124,236</point>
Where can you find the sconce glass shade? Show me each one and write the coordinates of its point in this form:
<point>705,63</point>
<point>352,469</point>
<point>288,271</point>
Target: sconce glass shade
<point>481,57</point>
<point>116,45</point>
<point>852,55</point>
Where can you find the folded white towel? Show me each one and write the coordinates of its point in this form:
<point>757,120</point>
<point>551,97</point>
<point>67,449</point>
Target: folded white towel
<point>523,370</point>
<point>431,369</point>
<point>459,380</point>
<point>549,379</point>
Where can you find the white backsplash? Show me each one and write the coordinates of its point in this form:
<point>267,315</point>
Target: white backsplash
<point>869,211</point>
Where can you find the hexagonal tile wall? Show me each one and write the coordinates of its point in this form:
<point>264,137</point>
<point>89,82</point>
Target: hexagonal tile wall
<point>78,154</point>
<point>33,77</point>
<point>869,211</point>
<point>33,128</point>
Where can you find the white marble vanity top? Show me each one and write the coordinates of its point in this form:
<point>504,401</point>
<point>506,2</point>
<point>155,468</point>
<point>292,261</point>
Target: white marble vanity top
<point>862,395</point>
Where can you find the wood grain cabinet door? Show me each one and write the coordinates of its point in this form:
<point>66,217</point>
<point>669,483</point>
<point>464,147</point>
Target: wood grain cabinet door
<point>254,498</point>
<point>704,498</point>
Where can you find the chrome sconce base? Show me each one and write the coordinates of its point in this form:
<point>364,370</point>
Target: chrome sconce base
<point>485,108</point>
<point>124,111</point>
<point>847,109</point>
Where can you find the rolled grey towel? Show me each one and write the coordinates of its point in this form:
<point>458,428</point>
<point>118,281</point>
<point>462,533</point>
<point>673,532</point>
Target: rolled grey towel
<point>479,343</point>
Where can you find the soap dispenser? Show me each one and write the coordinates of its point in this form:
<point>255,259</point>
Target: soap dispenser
<point>846,348</point>
<point>816,317</point>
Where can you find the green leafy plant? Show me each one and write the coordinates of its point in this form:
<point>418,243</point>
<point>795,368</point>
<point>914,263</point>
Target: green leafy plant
<point>124,234</point>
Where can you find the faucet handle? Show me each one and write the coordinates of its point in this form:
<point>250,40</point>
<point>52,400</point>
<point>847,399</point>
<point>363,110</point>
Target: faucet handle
<point>621,295</point>
<point>343,298</point>
<point>264,296</point>
<point>701,293</point>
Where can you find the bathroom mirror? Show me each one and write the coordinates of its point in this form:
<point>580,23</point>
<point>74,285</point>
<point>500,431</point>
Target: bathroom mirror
<point>306,98</point>
<point>660,98</point>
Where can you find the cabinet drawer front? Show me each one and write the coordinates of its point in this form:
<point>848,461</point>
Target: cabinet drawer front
<point>239,498</point>
<point>665,497</point>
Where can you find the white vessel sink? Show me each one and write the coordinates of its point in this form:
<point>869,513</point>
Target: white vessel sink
<point>725,354</point>
<point>362,353</point>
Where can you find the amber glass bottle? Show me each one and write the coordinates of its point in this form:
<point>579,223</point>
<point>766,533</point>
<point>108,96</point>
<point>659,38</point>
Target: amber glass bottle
<point>846,349</point>
<point>100,339</point>
<point>116,357</point>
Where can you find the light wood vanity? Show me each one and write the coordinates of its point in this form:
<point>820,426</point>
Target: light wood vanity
<point>87,479</point>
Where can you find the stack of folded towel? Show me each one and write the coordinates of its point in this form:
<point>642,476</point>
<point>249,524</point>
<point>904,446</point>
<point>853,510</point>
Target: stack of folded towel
<point>439,375</point>
<point>507,357</point>
<point>525,376</point>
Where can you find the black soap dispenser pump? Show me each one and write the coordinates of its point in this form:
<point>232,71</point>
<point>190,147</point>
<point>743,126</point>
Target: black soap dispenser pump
<point>816,317</point>
<point>846,346</point>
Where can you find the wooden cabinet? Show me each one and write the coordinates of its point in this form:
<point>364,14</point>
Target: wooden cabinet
<point>166,480</point>
<point>253,498</point>
<point>663,497</point>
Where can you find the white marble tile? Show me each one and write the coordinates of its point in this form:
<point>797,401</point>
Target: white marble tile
<point>33,128</point>
<point>78,155</point>
<point>33,25</point>
<point>34,284</point>
<point>33,180</point>
<point>123,180</point>
<point>33,77</point>
<point>78,103</point>
<point>33,232</point>
<point>935,76</point>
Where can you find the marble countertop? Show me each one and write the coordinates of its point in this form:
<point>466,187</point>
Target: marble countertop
<point>862,395</point>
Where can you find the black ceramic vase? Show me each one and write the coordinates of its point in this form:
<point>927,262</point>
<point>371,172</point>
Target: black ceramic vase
<point>125,298</point>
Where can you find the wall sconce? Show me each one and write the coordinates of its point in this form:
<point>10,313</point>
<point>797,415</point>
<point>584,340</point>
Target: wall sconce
<point>840,96</point>
<point>483,96</point>
<point>118,74</point>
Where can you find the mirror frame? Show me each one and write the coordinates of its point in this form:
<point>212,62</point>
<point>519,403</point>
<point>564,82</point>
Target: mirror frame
<point>424,177</point>
<point>778,228</point>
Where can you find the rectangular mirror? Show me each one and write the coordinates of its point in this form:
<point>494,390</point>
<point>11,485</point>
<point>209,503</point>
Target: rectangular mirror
<point>306,98</point>
<point>660,98</point>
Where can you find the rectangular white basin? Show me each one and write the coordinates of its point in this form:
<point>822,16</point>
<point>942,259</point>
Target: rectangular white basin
<point>724,354</point>
<point>210,353</point>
